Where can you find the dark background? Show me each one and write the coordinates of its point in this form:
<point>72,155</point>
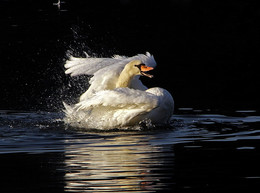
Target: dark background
<point>207,51</point>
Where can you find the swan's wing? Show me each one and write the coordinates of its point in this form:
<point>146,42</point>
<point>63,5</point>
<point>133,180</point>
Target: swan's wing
<point>120,98</point>
<point>78,66</point>
<point>104,79</point>
<point>147,59</point>
<point>118,107</point>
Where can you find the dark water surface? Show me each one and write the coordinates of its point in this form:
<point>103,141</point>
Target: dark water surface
<point>205,152</point>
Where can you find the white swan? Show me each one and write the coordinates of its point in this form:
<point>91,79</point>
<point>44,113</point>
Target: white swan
<point>119,98</point>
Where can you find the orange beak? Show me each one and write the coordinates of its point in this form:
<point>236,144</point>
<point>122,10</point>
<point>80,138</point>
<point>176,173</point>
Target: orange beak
<point>144,68</point>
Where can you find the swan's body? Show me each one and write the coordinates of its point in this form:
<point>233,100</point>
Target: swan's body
<point>116,97</point>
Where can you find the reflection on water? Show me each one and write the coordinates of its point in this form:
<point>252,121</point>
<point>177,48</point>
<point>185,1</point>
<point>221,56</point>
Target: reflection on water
<point>116,163</point>
<point>204,152</point>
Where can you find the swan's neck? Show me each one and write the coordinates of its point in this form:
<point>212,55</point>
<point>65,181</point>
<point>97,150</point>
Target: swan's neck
<point>124,79</point>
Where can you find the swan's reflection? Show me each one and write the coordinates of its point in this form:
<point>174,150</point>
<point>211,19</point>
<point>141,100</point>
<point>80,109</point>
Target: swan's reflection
<point>116,163</point>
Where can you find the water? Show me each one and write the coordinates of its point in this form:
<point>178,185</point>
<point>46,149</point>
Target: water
<point>201,151</point>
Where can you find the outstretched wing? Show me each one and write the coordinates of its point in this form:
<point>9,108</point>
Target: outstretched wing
<point>79,66</point>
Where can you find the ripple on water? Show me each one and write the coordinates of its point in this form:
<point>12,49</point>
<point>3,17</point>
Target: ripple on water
<point>221,151</point>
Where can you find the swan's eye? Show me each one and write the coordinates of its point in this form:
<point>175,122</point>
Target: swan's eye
<point>139,66</point>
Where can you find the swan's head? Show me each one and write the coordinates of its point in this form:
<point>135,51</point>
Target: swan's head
<point>136,67</point>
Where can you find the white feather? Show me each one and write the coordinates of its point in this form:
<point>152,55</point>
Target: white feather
<point>78,66</point>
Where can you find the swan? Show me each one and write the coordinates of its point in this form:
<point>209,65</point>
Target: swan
<point>119,98</point>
